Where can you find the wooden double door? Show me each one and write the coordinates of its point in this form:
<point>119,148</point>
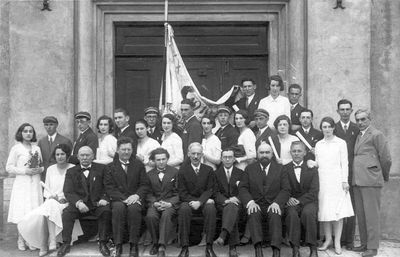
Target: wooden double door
<point>217,56</point>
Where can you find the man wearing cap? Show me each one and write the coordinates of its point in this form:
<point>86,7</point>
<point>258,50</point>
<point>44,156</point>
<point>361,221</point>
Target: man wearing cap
<point>261,118</point>
<point>151,115</point>
<point>48,142</point>
<point>86,136</point>
<point>192,130</point>
<point>227,134</point>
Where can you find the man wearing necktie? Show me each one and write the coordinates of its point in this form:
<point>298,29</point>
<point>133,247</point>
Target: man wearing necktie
<point>301,210</point>
<point>251,99</point>
<point>86,195</point>
<point>163,200</point>
<point>151,115</point>
<point>261,118</point>
<point>127,185</point>
<point>294,94</point>
<point>196,185</point>
<point>227,200</point>
<point>264,190</point>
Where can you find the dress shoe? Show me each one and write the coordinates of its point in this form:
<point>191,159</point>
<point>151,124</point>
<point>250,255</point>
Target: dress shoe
<point>133,250</point>
<point>233,252</point>
<point>361,248</point>
<point>349,246</point>
<point>313,251</point>
<point>154,249</point>
<point>244,240</point>
<point>118,250</point>
<point>324,246</point>
<point>64,249</point>
<point>219,241</point>
<point>370,253</point>
<point>104,249</point>
<point>276,252</point>
<point>161,253</point>
<point>184,252</point>
<point>203,240</point>
<point>210,251</point>
<point>258,250</point>
<point>295,251</point>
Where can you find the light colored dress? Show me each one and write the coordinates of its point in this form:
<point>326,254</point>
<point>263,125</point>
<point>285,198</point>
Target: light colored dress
<point>248,140</point>
<point>106,150</point>
<point>211,147</point>
<point>144,149</point>
<point>173,144</point>
<point>26,193</point>
<point>285,155</point>
<point>331,157</point>
<point>33,227</point>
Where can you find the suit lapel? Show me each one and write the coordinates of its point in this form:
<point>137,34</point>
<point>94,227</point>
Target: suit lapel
<point>224,179</point>
<point>166,179</point>
<point>362,139</point>
<point>272,172</point>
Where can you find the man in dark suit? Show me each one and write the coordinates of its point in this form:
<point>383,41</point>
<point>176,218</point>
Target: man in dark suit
<point>348,131</point>
<point>127,185</point>
<point>196,185</point>
<point>227,134</point>
<point>264,190</point>
<point>48,142</point>
<point>86,136</point>
<point>250,101</point>
<point>151,115</point>
<point>294,95</point>
<point>86,195</point>
<point>302,207</point>
<point>163,200</point>
<point>261,117</point>
<point>192,130</point>
<point>227,200</point>
<point>121,118</point>
<point>372,162</point>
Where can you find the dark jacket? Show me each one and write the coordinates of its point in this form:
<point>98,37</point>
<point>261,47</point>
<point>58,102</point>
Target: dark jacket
<point>228,136</point>
<point>225,190</point>
<point>312,138</point>
<point>295,114</point>
<point>192,132</point>
<point>87,138</point>
<point>165,190</point>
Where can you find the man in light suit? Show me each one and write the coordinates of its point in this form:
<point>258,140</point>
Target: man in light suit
<point>371,165</point>
<point>48,142</point>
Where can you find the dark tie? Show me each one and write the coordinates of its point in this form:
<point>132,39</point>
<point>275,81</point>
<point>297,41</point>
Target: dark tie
<point>125,166</point>
<point>296,167</point>
<point>50,141</point>
<point>306,132</point>
<point>258,134</point>
<point>345,129</point>
<point>85,171</point>
<point>196,170</point>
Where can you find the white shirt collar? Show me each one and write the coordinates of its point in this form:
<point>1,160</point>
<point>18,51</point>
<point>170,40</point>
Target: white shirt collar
<point>294,105</point>
<point>53,137</point>
<point>363,131</point>
<point>250,98</point>
<point>84,130</point>
<point>189,118</point>
<point>306,130</point>
<point>194,167</point>
<point>122,130</point>
<point>263,129</point>
<point>301,163</point>
<point>343,124</point>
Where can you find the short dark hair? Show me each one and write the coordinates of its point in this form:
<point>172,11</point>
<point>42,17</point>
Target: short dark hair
<point>169,116</point>
<point>124,111</point>
<point>208,116</point>
<point>245,115</point>
<point>307,110</point>
<point>124,140</point>
<point>344,101</point>
<point>185,90</point>
<point>156,151</point>
<point>189,102</point>
<point>110,123</point>
<point>296,86</point>
<point>280,118</point>
<point>328,120</point>
<point>247,79</point>
<point>64,147</point>
<point>276,78</point>
<point>141,121</point>
<point>18,135</point>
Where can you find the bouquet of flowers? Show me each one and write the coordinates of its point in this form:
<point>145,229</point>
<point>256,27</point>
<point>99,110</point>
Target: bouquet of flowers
<point>34,160</point>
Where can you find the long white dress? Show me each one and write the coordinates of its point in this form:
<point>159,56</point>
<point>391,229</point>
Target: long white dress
<point>173,144</point>
<point>26,193</point>
<point>144,149</point>
<point>334,202</point>
<point>106,150</point>
<point>33,227</point>
<point>248,140</point>
<point>211,147</point>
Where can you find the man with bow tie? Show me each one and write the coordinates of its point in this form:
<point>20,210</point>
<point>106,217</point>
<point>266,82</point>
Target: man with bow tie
<point>264,190</point>
<point>301,210</point>
<point>227,200</point>
<point>127,185</point>
<point>151,115</point>
<point>163,200</point>
<point>86,195</point>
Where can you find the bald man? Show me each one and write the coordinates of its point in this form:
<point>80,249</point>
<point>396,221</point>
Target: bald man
<point>85,193</point>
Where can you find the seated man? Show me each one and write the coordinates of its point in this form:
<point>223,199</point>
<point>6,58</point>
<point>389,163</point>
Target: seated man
<point>303,202</point>
<point>196,183</point>
<point>85,193</point>
<point>228,178</point>
<point>127,185</point>
<point>163,200</point>
<point>264,190</point>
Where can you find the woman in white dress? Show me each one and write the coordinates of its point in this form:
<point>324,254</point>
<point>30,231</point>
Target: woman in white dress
<point>42,227</point>
<point>24,161</point>
<point>211,143</point>
<point>246,139</point>
<point>107,142</point>
<point>171,141</point>
<point>145,144</point>
<point>334,198</point>
<point>282,125</point>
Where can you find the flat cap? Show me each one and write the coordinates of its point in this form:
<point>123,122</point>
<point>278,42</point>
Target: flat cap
<point>50,119</point>
<point>261,112</point>
<point>79,115</point>
<point>223,108</point>
<point>151,109</point>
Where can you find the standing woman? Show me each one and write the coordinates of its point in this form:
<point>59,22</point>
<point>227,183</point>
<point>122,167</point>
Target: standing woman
<point>246,140</point>
<point>211,143</point>
<point>171,141</point>
<point>24,161</point>
<point>107,142</point>
<point>334,198</point>
<point>282,125</point>
<point>146,144</point>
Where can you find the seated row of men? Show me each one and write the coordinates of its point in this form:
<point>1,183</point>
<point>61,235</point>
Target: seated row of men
<point>120,192</point>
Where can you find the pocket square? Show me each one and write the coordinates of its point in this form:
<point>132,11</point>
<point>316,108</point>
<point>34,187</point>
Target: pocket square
<point>237,183</point>
<point>172,180</point>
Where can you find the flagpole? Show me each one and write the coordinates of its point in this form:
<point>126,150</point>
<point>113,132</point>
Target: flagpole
<point>164,82</point>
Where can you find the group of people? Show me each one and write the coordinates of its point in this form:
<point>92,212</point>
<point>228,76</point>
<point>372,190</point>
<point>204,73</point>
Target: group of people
<point>265,160</point>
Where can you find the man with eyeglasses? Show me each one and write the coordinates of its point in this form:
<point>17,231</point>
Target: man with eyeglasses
<point>151,115</point>
<point>371,167</point>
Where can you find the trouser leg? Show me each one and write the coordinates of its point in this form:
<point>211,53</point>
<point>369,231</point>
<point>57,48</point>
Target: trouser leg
<point>69,215</point>
<point>166,225</point>
<point>372,202</point>
<point>309,221</point>
<point>118,210</point>
<point>293,226</point>
<point>360,212</point>
<point>134,222</point>
<point>184,218</point>
<point>210,218</point>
